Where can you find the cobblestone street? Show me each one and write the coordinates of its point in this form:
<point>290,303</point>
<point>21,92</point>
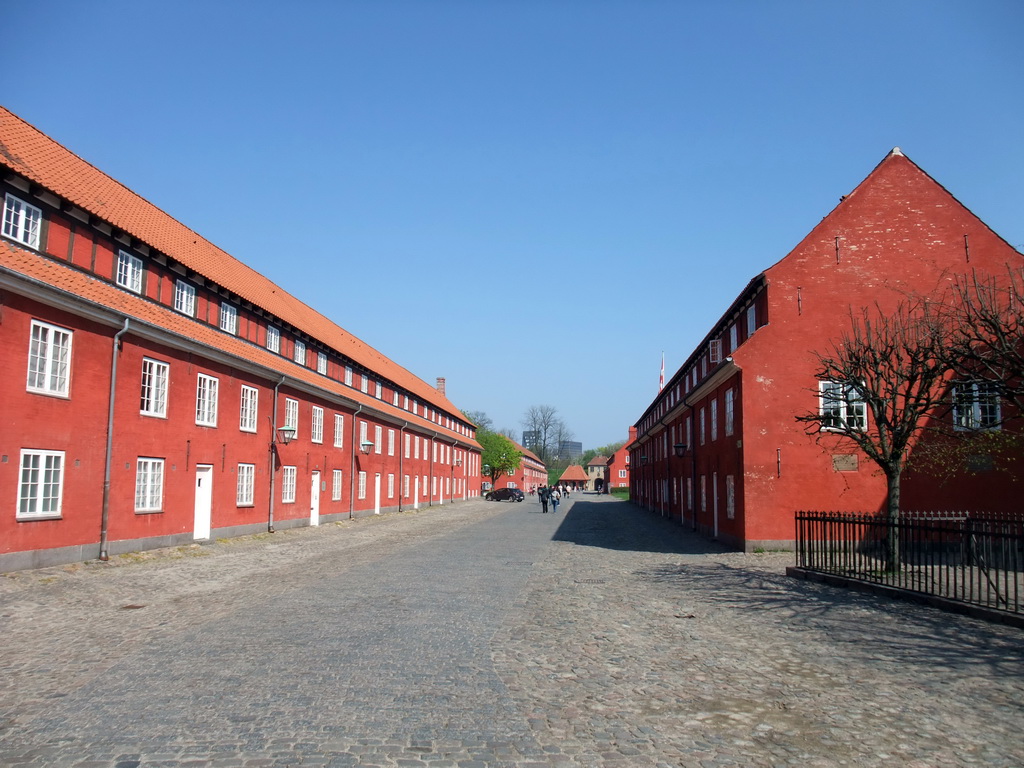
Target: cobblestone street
<point>485,634</point>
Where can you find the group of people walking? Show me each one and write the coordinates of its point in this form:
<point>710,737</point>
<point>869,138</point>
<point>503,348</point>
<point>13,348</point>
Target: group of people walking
<point>551,495</point>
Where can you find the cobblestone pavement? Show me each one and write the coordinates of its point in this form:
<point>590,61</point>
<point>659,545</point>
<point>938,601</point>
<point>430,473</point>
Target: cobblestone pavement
<point>479,635</point>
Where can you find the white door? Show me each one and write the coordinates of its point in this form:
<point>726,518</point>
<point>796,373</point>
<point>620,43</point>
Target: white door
<point>314,499</point>
<point>204,501</point>
<point>376,494</point>
<point>714,498</point>
<point>416,496</point>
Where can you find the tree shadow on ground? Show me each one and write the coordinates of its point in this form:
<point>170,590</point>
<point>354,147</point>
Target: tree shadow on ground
<point>864,626</point>
<point>623,526</point>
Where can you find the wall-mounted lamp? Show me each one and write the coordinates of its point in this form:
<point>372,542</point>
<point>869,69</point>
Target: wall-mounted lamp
<point>458,462</point>
<point>365,446</point>
<point>286,434</point>
<point>680,449</point>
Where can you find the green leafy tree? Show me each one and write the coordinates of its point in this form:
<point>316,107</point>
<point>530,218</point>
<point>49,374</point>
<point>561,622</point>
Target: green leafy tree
<point>500,456</point>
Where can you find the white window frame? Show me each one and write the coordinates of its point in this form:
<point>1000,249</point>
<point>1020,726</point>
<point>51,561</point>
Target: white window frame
<point>228,318</point>
<point>273,339</point>
<point>391,486</point>
<point>378,390</point>
<point>245,490</point>
<point>184,298</point>
<point>339,431</point>
<point>206,400</point>
<point>841,407</point>
<point>751,320</point>
<point>362,434</point>
<point>405,487</point>
<point>129,272</point>
<point>299,353</point>
<point>291,415</point>
<point>248,411</point>
<point>361,493</point>
<point>22,221</point>
<point>714,419</point>
<point>976,406</point>
<point>149,484</point>
<point>40,485</point>
<point>288,475</point>
<point>364,384</point>
<point>153,388</point>
<point>378,438</point>
<point>321,363</point>
<point>408,446</point>
<point>348,375</point>
<point>391,442</point>
<point>730,412</point>
<point>49,359</point>
<point>734,337</point>
<point>316,429</point>
<point>336,481</point>
<point>702,422</point>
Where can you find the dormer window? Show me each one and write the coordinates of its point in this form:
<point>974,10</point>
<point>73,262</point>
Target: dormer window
<point>129,272</point>
<point>273,339</point>
<point>300,352</point>
<point>228,318</point>
<point>21,221</point>
<point>185,298</point>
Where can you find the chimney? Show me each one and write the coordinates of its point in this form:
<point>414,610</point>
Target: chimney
<point>440,385</point>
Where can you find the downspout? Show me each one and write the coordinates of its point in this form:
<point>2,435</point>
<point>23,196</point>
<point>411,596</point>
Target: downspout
<point>352,465</point>
<point>430,489</point>
<point>273,454</point>
<point>401,463</point>
<point>105,516</point>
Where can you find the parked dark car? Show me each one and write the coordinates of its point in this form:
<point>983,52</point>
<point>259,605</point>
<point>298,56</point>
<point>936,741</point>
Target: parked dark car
<point>505,494</point>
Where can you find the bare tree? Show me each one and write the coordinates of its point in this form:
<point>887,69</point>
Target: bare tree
<point>544,422</point>
<point>987,315</point>
<point>880,383</point>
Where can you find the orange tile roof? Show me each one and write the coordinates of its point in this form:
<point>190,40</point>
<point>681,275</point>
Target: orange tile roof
<point>573,472</point>
<point>73,282</point>
<point>31,153</point>
<point>527,452</point>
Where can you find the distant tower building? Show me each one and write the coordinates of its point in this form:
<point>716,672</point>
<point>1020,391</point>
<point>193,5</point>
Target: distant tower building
<point>569,449</point>
<point>531,439</point>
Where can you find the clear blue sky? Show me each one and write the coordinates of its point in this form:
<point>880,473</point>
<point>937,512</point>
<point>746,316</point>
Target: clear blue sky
<point>533,199</point>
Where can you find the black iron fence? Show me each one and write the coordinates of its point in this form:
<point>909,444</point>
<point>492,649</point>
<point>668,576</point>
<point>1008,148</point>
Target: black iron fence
<point>967,557</point>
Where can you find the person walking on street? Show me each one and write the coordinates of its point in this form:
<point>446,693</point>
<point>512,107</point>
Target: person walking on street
<point>554,501</point>
<point>543,493</point>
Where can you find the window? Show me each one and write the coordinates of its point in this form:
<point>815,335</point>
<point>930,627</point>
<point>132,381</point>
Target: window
<point>362,434</point>
<point>730,412</point>
<point>394,398</point>
<point>21,221</point>
<point>407,437</point>
<point>153,398</point>
<point>250,405</point>
<point>364,385</point>
<point>129,271</point>
<point>228,318</point>
<point>734,337</point>
<point>321,363</point>
<point>842,407</point>
<point>405,486</point>
<point>49,359</point>
<point>378,434</point>
<point>715,351</point>
<point>316,430</point>
<point>339,431</point>
<point>730,497</point>
<point>246,483</point>
<point>751,320</point>
<point>362,485</point>
<point>416,446</point>
<point>701,429</point>
<point>185,298</point>
<point>336,485</point>
<point>391,486</point>
<point>273,339</point>
<point>291,415</point>
<point>348,375</point>
<point>703,493</point>
<point>41,487</point>
<point>287,485</point>
<point>622,474</point>
<point>378,390</point>
<point>300,352</point>
<point>149,485</point>
<point>976,405</point>
<point>714,419</point>
<point>206,401</point>
<point>391,442</point>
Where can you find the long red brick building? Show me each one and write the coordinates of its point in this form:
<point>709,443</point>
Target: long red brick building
<point>159,391</point>
<point>720,448</point>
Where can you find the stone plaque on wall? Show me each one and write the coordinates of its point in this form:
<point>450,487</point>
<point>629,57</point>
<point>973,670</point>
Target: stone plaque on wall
<point>844,462</point>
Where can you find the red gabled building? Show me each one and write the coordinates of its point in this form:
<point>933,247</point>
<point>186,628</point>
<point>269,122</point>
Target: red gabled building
<point>529,475</point>
<point>618,464</point>
<point>720,448</point>
<point>160,391</point>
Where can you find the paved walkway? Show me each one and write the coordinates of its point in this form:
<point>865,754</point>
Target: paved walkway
<point>479,635</point>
